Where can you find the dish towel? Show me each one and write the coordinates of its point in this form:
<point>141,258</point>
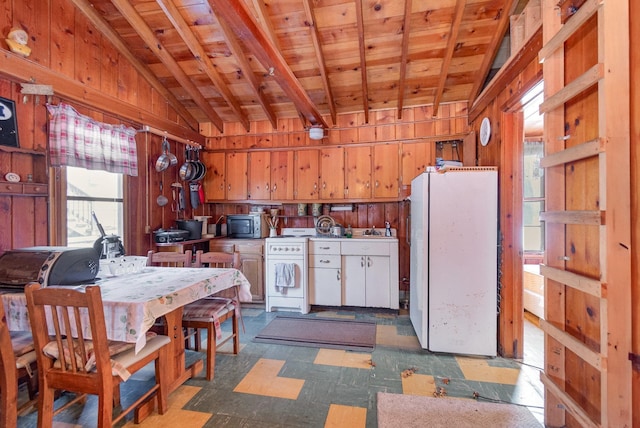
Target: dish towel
<point>285,276</point>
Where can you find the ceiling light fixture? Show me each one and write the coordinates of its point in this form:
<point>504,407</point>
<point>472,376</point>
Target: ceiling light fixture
<point>316,133</point>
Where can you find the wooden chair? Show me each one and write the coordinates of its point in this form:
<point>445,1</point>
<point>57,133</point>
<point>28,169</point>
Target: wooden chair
<point>209,311</point>
<point>65,363</point>
<point>170,259</point>
<point>17,362</point>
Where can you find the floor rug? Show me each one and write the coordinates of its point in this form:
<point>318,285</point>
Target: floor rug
<point>408,411</point>
<point>353,335</point>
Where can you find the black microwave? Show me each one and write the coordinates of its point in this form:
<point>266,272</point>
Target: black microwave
<point>247,226</point>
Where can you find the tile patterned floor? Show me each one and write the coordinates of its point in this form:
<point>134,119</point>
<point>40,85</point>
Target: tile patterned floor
<point>292,386</point>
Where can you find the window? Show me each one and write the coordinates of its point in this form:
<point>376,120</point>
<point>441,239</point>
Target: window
<point>93,191</point>
<point>533,193</point>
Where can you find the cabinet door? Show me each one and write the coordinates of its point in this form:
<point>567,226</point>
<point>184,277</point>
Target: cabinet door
<point>358,172</point>
<point>353,280</point>
<point>214,180</point>
<point>325,287</point>
<point>237,176</point>
<point>377,282</point>
<point>415,159</point>
<point>332,173</point>
<point>252,268</point>
<point>259,176</point>
<point>385,171</point>
<point>306,174</point>
<point>282,176</point>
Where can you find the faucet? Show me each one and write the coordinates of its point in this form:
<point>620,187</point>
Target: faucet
<point>374,232</point>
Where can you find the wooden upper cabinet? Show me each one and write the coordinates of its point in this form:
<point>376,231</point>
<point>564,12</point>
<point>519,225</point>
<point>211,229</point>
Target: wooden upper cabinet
<point>358,172</point>
<point>236,176</point>
<point>306,174</point>
<point>332,173</point>
<point>282,175</point>
<point>415,159</point>
<point>214,180</point>
<point>386,171</point>
<point>259,176</point>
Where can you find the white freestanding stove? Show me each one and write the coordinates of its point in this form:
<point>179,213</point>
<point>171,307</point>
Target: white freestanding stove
<point>286,269</point>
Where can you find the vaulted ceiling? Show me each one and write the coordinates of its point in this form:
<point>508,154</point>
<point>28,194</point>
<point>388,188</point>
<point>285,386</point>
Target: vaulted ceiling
<point>247,60</point>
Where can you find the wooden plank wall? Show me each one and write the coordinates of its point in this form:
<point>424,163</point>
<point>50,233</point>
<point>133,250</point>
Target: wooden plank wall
<point>634,11</point>
<point>62,40</point>
<point>498,152</point>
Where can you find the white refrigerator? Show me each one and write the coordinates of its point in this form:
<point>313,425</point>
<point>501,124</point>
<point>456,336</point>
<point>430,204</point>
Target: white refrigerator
<point>454,279</point>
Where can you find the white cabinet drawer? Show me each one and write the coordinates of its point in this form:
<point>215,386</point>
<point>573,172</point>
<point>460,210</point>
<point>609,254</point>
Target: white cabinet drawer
<point>324,247</point>
<point>366,248</point>
<point>324,261</point>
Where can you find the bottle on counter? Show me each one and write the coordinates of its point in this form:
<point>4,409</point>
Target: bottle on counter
<point>349,232</point>
<point>387,228</point>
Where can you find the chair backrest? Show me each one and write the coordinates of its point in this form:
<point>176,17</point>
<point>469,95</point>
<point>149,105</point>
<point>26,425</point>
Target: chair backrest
<point>8,375</point>
<point>217,259</point>
<point>65,306</point>
<point>170,259</point>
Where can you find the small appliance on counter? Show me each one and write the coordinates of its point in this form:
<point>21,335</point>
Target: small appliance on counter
<point>107,246</point>
<point>165,236</point>
<point>194,227</point>
<point>48,266</point>
<point>247,226</point>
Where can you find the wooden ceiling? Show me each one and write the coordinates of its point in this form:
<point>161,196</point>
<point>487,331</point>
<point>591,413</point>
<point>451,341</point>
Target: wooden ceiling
<point>247,60</point>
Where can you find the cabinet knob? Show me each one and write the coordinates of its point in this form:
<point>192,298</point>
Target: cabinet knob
<point>275,187</point>
<point>266,186</point>
<point>338,275</point>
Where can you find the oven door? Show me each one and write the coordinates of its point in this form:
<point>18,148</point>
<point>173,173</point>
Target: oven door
<point>282,292</point>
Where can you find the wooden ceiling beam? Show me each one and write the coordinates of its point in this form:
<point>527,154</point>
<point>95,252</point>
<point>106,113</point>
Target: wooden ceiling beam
<point>152,42</point>
<point>109,33</point>
<point>406,30</point>
<point>194,45</point>
<point>257,42</point>
<point>315,37</point>
<point>247,72</point>
<point>492,48</point>
<point>363,61</point>
<point>448,55</point>
<point>262,15</point>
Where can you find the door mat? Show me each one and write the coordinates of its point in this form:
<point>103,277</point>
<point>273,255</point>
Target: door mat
<point>352,335</point>
<point>413,411</point>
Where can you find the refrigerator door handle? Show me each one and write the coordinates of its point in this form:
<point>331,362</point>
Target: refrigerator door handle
<point>408,228</point>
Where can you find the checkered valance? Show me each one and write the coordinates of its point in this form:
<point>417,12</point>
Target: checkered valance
<point>78,140</point>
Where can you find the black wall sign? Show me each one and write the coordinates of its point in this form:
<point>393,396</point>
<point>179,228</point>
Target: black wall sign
<point>8,123</point>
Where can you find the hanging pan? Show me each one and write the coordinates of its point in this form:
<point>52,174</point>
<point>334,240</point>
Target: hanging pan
<point>163,161</point>
<point>187,169</point>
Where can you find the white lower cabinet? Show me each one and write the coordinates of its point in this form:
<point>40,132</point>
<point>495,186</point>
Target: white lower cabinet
<point>325,273</point>
<point>370,273</point>
<point>354,272</point>
<point>366,281</point>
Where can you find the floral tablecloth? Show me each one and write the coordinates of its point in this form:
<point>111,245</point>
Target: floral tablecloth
<point>132,302</point>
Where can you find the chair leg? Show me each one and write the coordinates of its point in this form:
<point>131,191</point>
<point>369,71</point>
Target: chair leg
<point>236,336</point>
<point>161,378</point>
<point>211,350</point>
<point>46,396</point>
<point>198,338</point>
<point>105,407</point>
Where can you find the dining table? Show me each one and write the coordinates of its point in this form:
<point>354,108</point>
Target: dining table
<point>133,302</point>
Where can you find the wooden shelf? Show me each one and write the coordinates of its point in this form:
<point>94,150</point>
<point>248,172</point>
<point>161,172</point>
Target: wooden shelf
<point>23,189</point>
<point>19,150</point>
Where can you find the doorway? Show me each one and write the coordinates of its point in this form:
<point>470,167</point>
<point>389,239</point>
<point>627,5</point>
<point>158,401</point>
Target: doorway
<point>532,228</point>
